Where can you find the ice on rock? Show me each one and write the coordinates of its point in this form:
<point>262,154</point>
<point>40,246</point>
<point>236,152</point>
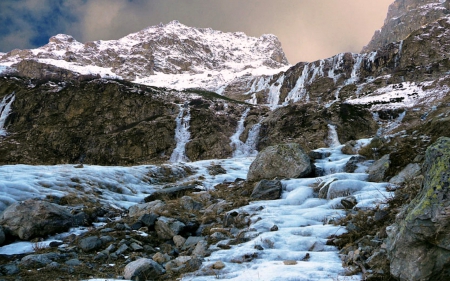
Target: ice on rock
<point>236,143</point>
<point>182,135</point>
<point>5,110</point>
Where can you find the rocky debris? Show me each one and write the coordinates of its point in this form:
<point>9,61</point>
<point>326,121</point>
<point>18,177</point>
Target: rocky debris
<point>424,223</point>
<point>215,170</point>
<point>267,190</point>
<point>35,218</point>
<point>172,192</point>
<point>283,161</point>
<point>36,261</point>
<point>408,173</point>
<point>139,210</point>
<point>142,269</point>
<point>377,171</point>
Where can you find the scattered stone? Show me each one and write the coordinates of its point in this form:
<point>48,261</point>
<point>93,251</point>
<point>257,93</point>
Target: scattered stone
<point>349,148</point>
<point>259,247</point>
<point>274,228</point>
<point>179,241</point>
<point>136,247</point>
<point>160,258</point>
<point>35,218</point>
<point>290,262</point>
<point>190,204</point>
<point>191,242</point>
<point>148,219</point>
<point>323,188</point>
<point>122,249</point>
<point>318,154</point>
<point>91,243</point>
<point>267,190</point>
<point>218,265</point>
<point>9,269</point>
<point>283,161</point>
<point>79,166</point>
<point>73,262</point>
<point>141,269</point>
<point>215,170</point>
<point>201,249</point>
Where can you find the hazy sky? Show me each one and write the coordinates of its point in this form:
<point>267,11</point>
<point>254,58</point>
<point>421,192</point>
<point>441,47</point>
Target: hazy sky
<point>307,29</point>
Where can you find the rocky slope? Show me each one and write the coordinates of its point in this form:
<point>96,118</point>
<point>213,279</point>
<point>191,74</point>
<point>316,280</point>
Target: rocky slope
<point>171,55</point>
<point>404,17</point>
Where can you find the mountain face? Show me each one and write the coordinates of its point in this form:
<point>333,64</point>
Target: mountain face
<point>404,17</point>
<point>171,55</point>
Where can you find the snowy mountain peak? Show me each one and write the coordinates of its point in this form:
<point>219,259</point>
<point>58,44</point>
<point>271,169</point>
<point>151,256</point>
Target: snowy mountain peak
<point>171,55</point>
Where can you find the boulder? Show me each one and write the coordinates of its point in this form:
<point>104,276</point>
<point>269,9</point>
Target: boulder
<point>422,230</point>
<point>409,172</point>
<point>142,269</point>
<point>378,169</point>
<point>349,202</point>
<point>267,190</point>
<point>167,228</point>
<point>35,218</point>
<point>36,261</point>
<point>350,148</point>
<point>283,161</point>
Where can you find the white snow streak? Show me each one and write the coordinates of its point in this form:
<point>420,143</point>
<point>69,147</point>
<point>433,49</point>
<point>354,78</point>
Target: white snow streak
<point>182,135</point>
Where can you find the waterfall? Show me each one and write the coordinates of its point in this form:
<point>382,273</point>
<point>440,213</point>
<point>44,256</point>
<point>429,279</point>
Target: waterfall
<point>274,93</point>
<point>333,139</point>
<point>355,71</point>
<point>399,54</point>
<point>236,143</point>
<point>182,135</point>
<point>241,149</point>
<point>299,91</point>
<point>5,110</point>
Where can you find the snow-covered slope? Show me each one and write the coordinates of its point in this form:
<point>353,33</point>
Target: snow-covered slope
<point>171,55</point>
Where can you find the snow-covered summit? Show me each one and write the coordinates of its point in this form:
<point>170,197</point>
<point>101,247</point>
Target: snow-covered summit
<point>171,55</point>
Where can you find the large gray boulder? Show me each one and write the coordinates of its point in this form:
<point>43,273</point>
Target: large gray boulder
<point>35,218</point>
<point>167,228</point>
<point>142,269</point>
<point>377,172</point>
<point>419,241</point>
<point>409,172</point>
<point>282,161</point>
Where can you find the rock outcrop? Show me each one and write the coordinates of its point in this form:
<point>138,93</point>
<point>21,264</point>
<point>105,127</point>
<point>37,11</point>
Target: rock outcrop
<point>404,17</point>
<point>282,161</point>
<point>422,229</point>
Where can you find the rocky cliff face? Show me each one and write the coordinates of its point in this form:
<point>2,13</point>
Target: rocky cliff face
<point>404,17</point>
<point>109,122</point>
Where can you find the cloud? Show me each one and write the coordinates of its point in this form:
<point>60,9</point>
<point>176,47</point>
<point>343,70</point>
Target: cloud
<point>307,29</point>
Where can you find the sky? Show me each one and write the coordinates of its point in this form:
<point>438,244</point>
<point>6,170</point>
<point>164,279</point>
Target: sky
<point>308,29</point>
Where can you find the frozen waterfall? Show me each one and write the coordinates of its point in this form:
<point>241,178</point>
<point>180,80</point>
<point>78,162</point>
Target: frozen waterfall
<point>333,139</point>
<point>5,110</point>
<point>182,135</point>
<point>241,149</point>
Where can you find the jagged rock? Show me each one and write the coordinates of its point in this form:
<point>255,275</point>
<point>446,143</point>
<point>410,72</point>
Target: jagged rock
<point>352,163</point>
<point>91,243</point>
<point>141,269</point>
<point>422,229</point>
<point>167,228</point>
<point>9,269</point>
<point>192,241</point>
<point>284,160</point>
<point>35,218</point>
<point>378,169</point>
<point>404,17</point>
<point>148,219</point>
<point>408,173</point>
<point>201,249</point>
<point>161,258</point>
<point>36,261</point>
<point>267,190</point>
<point>344,188</point>
<point>151,208</point>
